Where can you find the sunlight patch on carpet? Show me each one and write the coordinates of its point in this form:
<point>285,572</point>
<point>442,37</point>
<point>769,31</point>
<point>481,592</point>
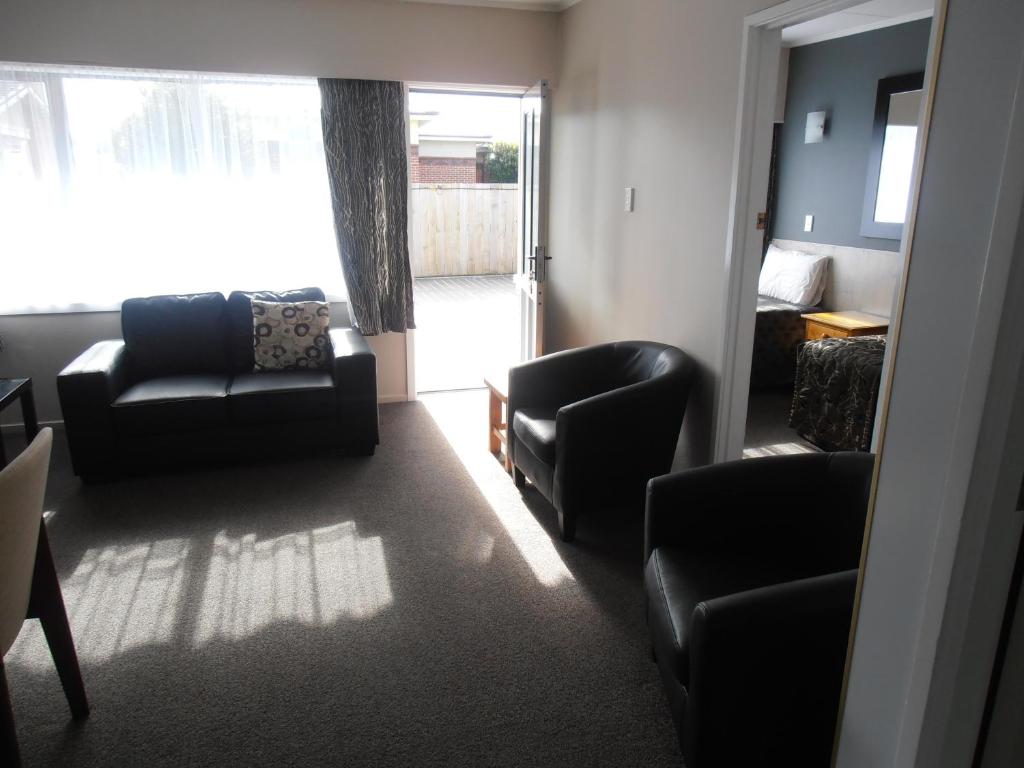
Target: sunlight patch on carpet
<point>312,577</point>
<point>778,449</point>
<point>118,598</point>
<point>466,432</point>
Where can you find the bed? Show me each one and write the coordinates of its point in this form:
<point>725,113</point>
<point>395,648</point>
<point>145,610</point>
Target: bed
<point>789,286</point>
<point>835,393</point>
<point>778,332</point>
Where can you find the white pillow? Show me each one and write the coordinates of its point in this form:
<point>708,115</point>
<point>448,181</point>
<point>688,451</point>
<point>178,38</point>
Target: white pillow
<point>793,276</point>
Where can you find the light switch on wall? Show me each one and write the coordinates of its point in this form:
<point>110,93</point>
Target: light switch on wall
<point>630,197</point>
<point>808,223</point>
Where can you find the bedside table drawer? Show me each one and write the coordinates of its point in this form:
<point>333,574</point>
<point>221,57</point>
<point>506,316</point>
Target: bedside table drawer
<point>818,331</point>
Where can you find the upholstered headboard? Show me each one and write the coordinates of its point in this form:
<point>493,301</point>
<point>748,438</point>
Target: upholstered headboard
<point>858,278</point>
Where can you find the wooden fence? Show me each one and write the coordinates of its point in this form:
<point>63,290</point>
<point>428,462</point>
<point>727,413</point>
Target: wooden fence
<point>462,229</point>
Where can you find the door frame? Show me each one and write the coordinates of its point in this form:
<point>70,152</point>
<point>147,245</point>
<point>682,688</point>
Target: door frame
<point>759,83</point>
<point>464,89</point>
<point>531,284</point>
<point>932,692</point>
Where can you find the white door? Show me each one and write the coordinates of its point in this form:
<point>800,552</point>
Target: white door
<point>533,225</point>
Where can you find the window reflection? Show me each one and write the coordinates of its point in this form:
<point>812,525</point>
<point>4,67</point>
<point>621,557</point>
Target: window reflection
<point>897,158</point>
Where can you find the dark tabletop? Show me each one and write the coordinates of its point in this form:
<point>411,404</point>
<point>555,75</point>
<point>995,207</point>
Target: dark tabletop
<point>11,389</point>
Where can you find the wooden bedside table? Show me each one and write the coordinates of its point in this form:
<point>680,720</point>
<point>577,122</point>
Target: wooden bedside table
<point>841,325</point>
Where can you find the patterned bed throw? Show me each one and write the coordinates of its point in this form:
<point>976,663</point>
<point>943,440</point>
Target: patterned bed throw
<point>836,391</point>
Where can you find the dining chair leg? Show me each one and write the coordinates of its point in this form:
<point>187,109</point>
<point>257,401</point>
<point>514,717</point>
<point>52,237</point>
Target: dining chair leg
<point>47,605</point>
<point>9,754</point>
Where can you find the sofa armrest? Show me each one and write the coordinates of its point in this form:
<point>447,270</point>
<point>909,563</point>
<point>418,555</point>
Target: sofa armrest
<point>101,369</point>
<point>351,351</point>
<point>86,388</point>
<point>764,498</point>
<point>354,371</point>
<point>766,669</point>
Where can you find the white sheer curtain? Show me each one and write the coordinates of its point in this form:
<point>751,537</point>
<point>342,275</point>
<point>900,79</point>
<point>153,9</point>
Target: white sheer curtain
<point>117,183</point>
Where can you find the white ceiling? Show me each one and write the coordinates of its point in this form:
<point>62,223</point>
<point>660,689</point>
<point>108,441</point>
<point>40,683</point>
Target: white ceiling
<point>874,14</point>
<point>519,5</point>
<point>860,18</point>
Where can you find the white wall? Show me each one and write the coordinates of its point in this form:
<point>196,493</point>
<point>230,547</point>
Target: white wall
<point>380,39</point>
<point>383,39</point>
<point>40,346</point>
<point>920,644</point>
<point>647,95</point>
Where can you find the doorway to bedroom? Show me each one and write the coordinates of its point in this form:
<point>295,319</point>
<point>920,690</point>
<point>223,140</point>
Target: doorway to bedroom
<point>841,167</point>
<point>464,218</point>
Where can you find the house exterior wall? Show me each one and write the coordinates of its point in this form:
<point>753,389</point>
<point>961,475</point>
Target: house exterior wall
<point>446,170</point>
<point>435,148</point>
<point>414,163</point>
<point>442,170</point>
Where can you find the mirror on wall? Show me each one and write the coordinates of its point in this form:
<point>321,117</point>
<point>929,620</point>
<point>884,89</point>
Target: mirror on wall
<point>891,163</point>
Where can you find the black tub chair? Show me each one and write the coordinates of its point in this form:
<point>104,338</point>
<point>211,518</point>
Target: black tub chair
<point>750,579</point>
<point>590,426</point>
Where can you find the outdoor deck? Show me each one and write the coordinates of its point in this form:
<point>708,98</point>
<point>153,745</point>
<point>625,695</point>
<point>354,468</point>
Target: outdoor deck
<point>466,328</point>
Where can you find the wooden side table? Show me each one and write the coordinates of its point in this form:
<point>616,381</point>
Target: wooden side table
<point>19,389</point>
<point>497,419</point>
<point>842,325</point>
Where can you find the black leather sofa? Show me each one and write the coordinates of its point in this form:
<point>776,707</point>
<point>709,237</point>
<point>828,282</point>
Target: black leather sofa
<point>179,388</point>
<point>751,570</point>
<point>590,426</point>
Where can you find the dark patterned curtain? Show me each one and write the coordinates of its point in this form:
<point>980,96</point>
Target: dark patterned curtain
<point>365,144</point>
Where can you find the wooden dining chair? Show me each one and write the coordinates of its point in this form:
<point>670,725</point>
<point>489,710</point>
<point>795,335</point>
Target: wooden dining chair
<point>29,588</point>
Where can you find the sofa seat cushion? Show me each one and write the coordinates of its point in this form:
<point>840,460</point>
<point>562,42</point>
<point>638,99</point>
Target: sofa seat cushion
<point>677,581</point>
<point>268,398</point>
<point>185,403</point>
<point>535,428</point>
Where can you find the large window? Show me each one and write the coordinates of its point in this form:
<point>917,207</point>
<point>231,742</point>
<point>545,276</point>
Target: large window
<point>118,183</point>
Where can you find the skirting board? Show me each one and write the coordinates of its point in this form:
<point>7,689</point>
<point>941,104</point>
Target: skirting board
<point>57,424</point>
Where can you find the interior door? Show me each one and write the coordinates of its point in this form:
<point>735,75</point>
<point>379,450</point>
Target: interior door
<point>533,225</point>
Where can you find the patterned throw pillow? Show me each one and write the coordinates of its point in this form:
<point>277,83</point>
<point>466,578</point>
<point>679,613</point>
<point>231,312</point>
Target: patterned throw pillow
<point>290,335</point>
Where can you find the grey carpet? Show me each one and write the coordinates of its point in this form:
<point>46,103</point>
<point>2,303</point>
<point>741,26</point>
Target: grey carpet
<point>332,611</point>
<point>768,431</point>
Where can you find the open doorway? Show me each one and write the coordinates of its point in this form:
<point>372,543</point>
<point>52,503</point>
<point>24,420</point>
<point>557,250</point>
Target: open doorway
<point>464,218</point>
<point>833,264</point>
<point>847,116</point>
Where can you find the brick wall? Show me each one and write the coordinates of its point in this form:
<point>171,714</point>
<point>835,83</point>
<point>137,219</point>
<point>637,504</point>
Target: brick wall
<point>441,170</point>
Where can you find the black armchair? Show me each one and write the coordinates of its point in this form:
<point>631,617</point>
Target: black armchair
<point>751,569</point>
<point>589,427</point>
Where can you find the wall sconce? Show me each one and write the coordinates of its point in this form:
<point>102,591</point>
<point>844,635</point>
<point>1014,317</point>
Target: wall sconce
<point>814,133</point>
